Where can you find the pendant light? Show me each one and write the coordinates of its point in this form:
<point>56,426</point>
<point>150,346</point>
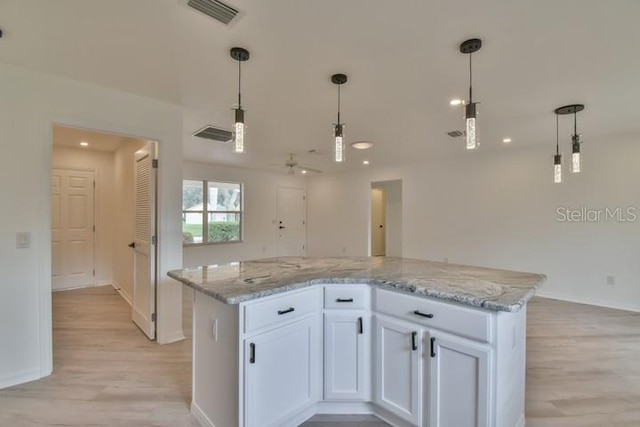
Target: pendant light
<point>576,161</point>
<point>557,158</point>
<point>469,47</point>
<point>338,127</point>
<point>240,55</point>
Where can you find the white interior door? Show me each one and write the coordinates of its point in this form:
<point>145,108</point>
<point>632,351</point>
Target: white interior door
<point>72,228</point>
<point>144,241</point>
<point>378,222</point>
<point>292,221</point>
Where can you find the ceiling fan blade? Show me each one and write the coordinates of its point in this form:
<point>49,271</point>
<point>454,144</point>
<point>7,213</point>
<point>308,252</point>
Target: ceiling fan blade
<point>308,169</point>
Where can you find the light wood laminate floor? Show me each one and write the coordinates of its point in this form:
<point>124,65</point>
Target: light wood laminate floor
<point>583,370</point>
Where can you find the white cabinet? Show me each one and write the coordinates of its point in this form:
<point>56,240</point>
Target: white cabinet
<point>347,351</point>
<point>459,385</point>
<point>398,368</point>
<point>281,374</point>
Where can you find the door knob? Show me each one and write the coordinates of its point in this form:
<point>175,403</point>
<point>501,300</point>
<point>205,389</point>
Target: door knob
<point>132,245</point>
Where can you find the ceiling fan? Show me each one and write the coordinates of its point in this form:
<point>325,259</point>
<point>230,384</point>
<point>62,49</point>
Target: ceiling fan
<point>292,165</point>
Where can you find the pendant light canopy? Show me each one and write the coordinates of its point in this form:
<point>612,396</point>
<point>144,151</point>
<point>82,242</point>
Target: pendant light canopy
<point>469,47</point>
<point>576,161</point>
<point>338,127</point>
<point>240,55</point>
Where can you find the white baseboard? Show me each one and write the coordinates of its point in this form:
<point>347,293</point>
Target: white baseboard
<point>118,289</point>
<point>339,408</point>
<point>200,416</point>
<point>23,377</point>
<point>591,301</point>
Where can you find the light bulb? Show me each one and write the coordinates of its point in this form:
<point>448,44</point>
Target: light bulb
<point>575,156</point>
<point>557,168</point>
<point>470,116</point>
<point>239,131</point>
<point>338,150</point>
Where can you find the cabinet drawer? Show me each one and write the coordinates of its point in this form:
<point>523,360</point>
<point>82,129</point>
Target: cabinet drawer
<point>261,314</point>
<point>468,322</point>
<point>348,297</point>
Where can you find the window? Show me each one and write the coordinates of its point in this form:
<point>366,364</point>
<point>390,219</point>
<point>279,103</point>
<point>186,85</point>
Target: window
<point>211,212</point>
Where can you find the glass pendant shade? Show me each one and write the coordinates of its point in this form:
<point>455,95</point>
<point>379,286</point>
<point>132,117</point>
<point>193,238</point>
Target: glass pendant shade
<point>338,151</point>
<point>470,119</point>
<point>576,165</point>
<point>238,140</point>
<point>557,168</point>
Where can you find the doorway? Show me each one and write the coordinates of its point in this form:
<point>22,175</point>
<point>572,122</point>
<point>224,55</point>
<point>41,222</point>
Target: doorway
<point>291,208</point>
<point>103,200</point>
<point>385,231</point>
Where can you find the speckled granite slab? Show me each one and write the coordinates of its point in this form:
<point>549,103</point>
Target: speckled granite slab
<point>498,290</point>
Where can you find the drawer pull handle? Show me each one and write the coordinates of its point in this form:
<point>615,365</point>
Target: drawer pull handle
<point>344,300</point>
<point>419,313</point>
<point>433,347</point>
<point>288,310</point>
<point>360,326</point>
<point>414,343</point>
<point>252,353</point>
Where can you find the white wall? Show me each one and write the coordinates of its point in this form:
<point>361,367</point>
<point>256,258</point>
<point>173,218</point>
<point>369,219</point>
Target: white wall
<point>30,103</point>
<point>260,227</point>
<point>498,209</point>
<point>102,163</point>
<point>124,207</point>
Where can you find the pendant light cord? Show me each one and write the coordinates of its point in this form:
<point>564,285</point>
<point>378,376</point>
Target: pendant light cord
<point>470,80</point>
<point>339,103</point>
<point>557,136</point>
<point>575,123</point>
<point>239,84</point>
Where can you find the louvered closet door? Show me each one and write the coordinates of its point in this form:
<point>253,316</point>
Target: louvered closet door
<point>144,280</point>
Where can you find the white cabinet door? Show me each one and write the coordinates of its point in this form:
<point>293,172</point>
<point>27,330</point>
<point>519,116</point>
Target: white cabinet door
<point>459,389</point>
<point>281,373</point>
<point>346,356</point>
<point>398,368</point>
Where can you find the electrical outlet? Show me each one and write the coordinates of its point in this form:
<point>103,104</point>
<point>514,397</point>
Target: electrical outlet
<point>611,280</point>
<point>23,240</point>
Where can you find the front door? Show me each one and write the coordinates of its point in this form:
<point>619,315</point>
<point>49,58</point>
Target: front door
<point>292,221</point>
<point>72,228</point>
<point>144,241</point>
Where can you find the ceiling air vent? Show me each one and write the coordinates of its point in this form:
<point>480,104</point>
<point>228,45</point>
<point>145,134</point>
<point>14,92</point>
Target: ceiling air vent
<point>215,134</point>
<point>455,133</point>
<point>215,9</point>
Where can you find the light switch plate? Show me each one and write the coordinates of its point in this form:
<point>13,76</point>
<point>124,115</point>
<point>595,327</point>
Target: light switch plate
<point>23,240</point>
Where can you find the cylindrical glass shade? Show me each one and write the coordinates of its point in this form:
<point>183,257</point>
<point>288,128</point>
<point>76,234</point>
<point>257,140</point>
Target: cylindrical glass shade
<point>557,168</point>
<point>338,149</point>
<point>238,140</point>
<point>575,156</point>
<point>470,119</point>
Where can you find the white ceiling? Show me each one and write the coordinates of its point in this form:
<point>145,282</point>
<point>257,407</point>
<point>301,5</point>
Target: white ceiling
<point>72,137</point>
<point>401,57</point>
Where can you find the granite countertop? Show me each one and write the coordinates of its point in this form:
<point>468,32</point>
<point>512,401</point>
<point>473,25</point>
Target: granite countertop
<point>233,283</point>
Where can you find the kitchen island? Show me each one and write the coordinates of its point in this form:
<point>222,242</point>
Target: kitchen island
<point>417,343</point>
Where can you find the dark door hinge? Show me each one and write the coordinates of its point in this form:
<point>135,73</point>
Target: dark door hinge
<point>154,163</point>
<point>153,240</point>
<point>153,317</point>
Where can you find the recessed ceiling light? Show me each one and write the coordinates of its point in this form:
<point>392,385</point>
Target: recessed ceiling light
<point>455,102</point>
<point>506,140</point>
<point>362,145</point>
<point>303,171</point>
<point>84,144</point>
<point>365,162</point>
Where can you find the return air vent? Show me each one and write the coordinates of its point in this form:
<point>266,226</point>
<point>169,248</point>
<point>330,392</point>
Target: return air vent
<point>214,9</point>
<point>455,133</point>
<point>215,134</point>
